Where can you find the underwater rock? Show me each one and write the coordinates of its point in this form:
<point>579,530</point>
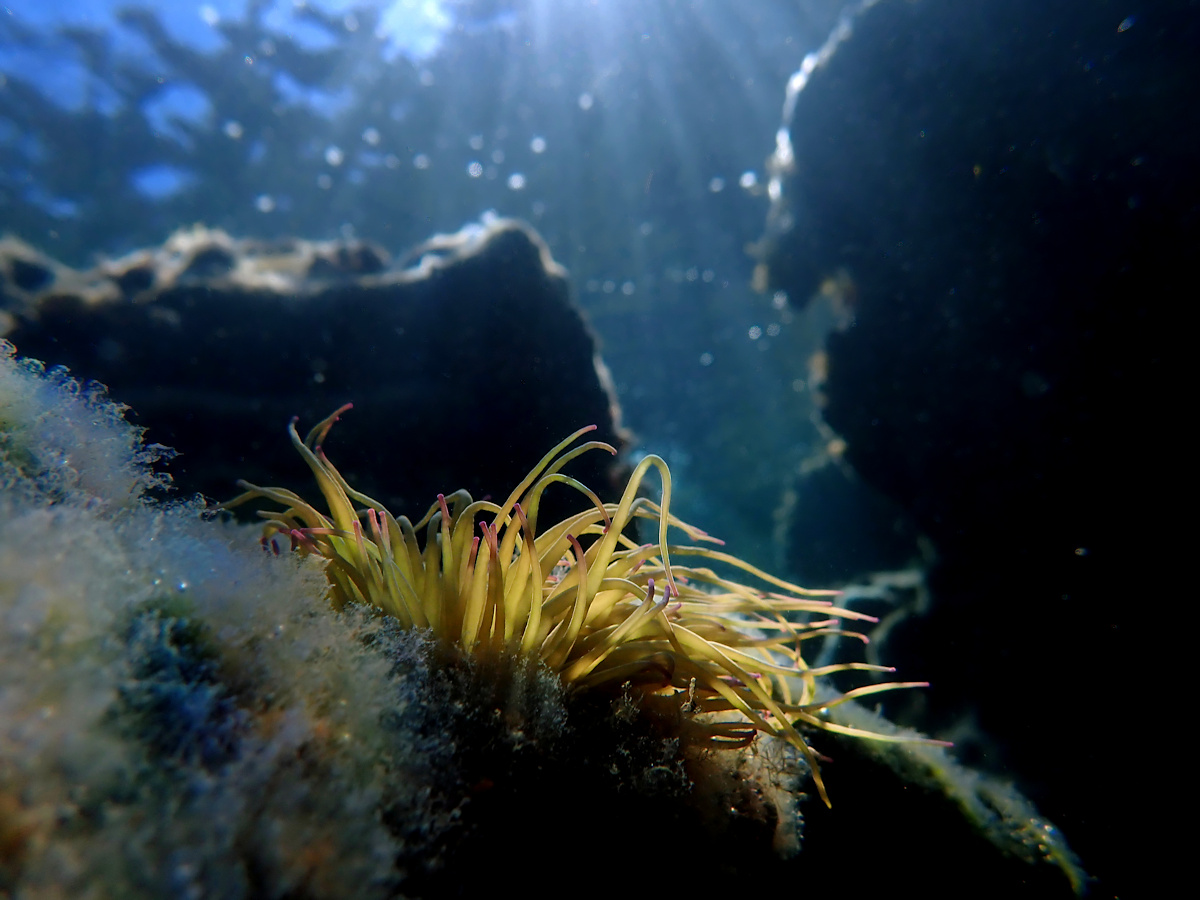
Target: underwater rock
<point>837,530</point>
<point>1006,190</point>
<point>464,362</point>
<point>203,724</point>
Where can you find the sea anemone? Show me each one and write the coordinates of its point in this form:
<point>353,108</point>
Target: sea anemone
<point>613,614</point>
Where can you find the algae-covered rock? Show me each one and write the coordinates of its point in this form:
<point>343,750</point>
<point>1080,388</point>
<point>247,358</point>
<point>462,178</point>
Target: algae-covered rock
<point>179,713</point>
<point>183,714</point>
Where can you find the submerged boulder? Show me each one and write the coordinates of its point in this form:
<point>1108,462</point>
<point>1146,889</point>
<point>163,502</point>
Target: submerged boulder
<point>465,359</point>
<point>1006,195</point>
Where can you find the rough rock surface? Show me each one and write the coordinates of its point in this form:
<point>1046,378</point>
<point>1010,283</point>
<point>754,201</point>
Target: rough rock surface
<point>1011,189</point>
<point>465,360</point>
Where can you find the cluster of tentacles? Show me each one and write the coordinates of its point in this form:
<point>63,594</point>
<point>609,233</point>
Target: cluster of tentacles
<point>580,596</point>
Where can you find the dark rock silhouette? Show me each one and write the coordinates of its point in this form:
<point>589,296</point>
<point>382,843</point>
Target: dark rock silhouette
<point>464,368</point>
<point>1011,188</point>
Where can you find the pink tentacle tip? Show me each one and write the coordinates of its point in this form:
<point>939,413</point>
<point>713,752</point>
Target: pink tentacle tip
<point>489,535</point>
<point>300,539</point>
<point>578,548</point>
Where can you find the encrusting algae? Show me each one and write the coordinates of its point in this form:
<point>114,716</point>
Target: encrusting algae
<point>616,613</point>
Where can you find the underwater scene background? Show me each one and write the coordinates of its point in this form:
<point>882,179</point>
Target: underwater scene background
<point>882,281</point>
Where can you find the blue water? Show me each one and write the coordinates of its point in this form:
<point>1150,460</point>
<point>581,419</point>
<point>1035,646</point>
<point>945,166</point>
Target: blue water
<point>632,135</point>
